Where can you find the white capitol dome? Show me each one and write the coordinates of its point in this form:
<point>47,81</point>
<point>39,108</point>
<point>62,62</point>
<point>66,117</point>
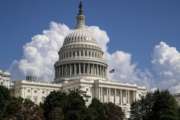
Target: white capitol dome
<point>80,35</point>
<point>80,55</point>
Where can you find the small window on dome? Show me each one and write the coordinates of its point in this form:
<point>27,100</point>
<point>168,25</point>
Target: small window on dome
<point>70,54</point>
<point>85,53</point>
<point>81,53</point>
<point>73,53</point>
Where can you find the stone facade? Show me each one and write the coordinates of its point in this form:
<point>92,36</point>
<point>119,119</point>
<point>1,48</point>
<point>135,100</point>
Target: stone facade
<point>35,91</point>
<point>106,91</point>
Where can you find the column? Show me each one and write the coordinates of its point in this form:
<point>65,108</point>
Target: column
<point>94,72</point>
<point>65,67</point>
<point>114,96</point>
<point>60,70</point>
<point>99,70</point>
<point>70,69</point>
<point>108,94</point>
<point>92,69</point>
<point>121,98</point>
<point>88,68</point>
<point>79,68</point>
<point>56,71</point>
<point>101,94</point>
<point>84,67</point>
<point>67,70</point>
<point>95,69</point>
<point>127,96</point>
<point>102,72</point>
<point>134,96</point>
<point>63,70</point>
<point>75,72</point>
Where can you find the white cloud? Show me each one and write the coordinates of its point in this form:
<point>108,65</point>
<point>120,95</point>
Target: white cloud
<point>166,63</point>
<point>101,37</point>
<point>41,53</point>
<point>126,71</point>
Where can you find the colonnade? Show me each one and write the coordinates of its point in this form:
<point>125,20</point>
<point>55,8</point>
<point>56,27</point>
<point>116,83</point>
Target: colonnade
<point>81,52</point>
<point>74,69</point>
<point>117,96</point>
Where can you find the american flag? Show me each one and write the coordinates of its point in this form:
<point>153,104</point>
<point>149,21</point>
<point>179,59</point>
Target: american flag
<point>112,71</point>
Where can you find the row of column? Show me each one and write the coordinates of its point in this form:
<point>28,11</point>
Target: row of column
<point>77,53</point>
<point>117,96</point>
<point>68,70</point>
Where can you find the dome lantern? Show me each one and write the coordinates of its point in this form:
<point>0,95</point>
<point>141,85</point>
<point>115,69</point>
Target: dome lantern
<point>80,17</point>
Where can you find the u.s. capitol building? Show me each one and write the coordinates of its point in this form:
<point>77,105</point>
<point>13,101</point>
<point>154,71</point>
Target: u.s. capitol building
<point>82,66</point>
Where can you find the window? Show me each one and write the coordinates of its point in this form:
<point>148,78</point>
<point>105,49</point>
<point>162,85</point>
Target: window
<point>77,53</point>
<point>29,90</point>
<point>112,92</point>
<point>85,53</point>
<point>35,98</point>
<point>81,53</point>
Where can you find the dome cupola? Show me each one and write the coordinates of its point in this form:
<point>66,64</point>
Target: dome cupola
<point>80,55</point>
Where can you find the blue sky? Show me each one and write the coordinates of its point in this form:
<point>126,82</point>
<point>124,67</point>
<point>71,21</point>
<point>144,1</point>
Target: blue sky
<point>134,26</point>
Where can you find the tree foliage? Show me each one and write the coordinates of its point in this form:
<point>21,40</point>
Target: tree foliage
<point>4,98</point>
<point>12,108</point>
<point>71,106</point>
<point>57,106</point>
<point>97,110</point>
<point>23,109</point>
<point>66,106</point>
<point>114,112</point>
<point>105,111</point>
<point>160,105</point>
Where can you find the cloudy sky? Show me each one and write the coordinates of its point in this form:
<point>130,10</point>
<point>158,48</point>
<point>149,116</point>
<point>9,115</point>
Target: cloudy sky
<point>140,38</point>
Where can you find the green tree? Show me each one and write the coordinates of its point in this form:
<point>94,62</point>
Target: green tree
<point>22,109</point>
<point>97,110</point>
<point>159,105</point>
<point>164,107</point>
<point>113,112</point>
<point>4,98</point>
<point>76,108</point>
<point>140,110</point>
<point>55,101</point>
<point>178,112</point>
<point>65,106</point>
<point>105,111</point>
<point>56,114</point>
